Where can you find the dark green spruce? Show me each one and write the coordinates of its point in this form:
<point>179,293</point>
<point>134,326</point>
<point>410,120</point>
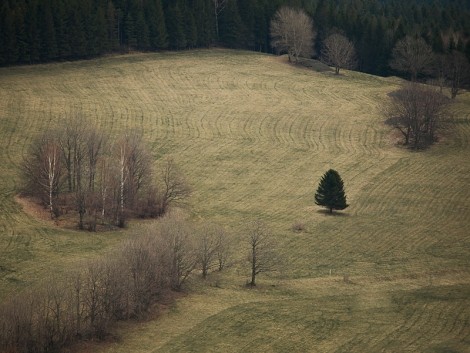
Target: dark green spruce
<point>330,192</point>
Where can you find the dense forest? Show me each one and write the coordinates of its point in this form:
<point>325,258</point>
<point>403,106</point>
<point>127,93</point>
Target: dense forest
<point>34,31</point>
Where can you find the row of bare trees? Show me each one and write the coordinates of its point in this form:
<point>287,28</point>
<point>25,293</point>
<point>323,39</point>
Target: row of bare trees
<point>80,169</point>
<point>124,285</point>
<point>292,32</point>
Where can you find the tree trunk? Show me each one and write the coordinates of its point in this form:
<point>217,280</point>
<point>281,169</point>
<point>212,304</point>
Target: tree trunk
<point>253,267</point>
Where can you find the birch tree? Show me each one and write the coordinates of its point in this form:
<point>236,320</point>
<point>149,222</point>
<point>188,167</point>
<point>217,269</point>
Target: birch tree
<point>42,170</point>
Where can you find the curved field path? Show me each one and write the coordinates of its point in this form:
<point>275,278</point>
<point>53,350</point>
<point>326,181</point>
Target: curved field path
<point>253,135</point>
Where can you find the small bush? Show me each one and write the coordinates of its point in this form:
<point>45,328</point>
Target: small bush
<point>298,227</point>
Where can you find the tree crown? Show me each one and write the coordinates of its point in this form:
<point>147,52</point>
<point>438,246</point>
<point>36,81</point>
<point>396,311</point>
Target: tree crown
<point>330,192</point>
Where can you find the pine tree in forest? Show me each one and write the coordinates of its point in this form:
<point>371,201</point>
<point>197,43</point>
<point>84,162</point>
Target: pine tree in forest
<point>130,37</point>
<point>158,36</point>
<point>142,31</point>
<point>231,28</point>
<point>175,27</point>
<point>204,22</point>
<point>61,29</point>
<point>47,30</point>
<point>330,193</point>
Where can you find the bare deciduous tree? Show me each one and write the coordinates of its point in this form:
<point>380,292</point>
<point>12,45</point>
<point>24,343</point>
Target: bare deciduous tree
<point>95,143</point>
<point>262,256</point>
<point>42,170</point>
<point>174,188</point>
<point>339,51</point>
<point>223,245</point>
<point>178,242</point>
<point>206,249</point>
<point>292,32</point>
<point>417,112</point>
<point>134,170</point>
<point>412,55</point>
<point>458,71</point>
<point>72,143</point>
<point>212,248</point>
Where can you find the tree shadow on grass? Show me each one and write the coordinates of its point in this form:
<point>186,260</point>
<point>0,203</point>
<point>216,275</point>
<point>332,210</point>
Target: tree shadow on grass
<point>334,214</point>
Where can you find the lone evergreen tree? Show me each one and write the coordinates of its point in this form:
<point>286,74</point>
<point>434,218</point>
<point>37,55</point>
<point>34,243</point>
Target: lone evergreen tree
<point>330,192</point>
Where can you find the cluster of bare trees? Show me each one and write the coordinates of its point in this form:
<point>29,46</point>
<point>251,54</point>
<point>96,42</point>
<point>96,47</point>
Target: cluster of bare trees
<point>417,111</point>
<point>79,169</point>
<point>126,284</point>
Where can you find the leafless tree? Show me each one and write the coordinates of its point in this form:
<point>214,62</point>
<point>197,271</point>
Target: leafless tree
<point>439,70</point>
<point>292,32</point>
<point>173,188</point>
<point>458,71</point>
<point>95,143</point>
<point>262,255</point>
<point>72,142</point>
<point>339,51</point>
<point>134,171</point>
<point>178,242</point>
<point>42,170</point>
<point>412,55</point>
<point>223,248</point>
<point>212,248</point>
<point>417,112</point>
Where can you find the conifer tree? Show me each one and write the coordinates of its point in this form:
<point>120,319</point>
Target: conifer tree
<point>156,23</point>
<point>330,192</point>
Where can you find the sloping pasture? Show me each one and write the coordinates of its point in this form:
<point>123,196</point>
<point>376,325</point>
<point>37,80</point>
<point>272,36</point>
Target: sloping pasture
<point>253,135</point>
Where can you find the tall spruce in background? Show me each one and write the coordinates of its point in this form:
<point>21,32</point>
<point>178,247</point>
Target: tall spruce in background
<point>330,192</point>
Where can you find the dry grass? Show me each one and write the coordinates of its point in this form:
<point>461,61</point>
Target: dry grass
<point>254,136</point>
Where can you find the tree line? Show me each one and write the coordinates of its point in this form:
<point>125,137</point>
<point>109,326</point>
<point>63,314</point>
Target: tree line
<point>35,31</point>
<point>79,170</point>
<point>125,284</point>
<point>129,283</point>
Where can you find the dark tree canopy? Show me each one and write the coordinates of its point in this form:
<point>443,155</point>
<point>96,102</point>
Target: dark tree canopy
<point>33,31</point>
<point>330,192</point>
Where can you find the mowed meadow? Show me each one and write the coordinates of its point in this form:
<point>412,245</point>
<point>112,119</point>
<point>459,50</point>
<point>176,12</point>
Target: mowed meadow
<point>253,135</point>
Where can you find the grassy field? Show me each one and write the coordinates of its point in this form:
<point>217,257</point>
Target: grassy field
<point>253,136</point>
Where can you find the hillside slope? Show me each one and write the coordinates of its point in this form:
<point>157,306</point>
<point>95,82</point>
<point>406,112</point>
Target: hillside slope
<point>254,135</point>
